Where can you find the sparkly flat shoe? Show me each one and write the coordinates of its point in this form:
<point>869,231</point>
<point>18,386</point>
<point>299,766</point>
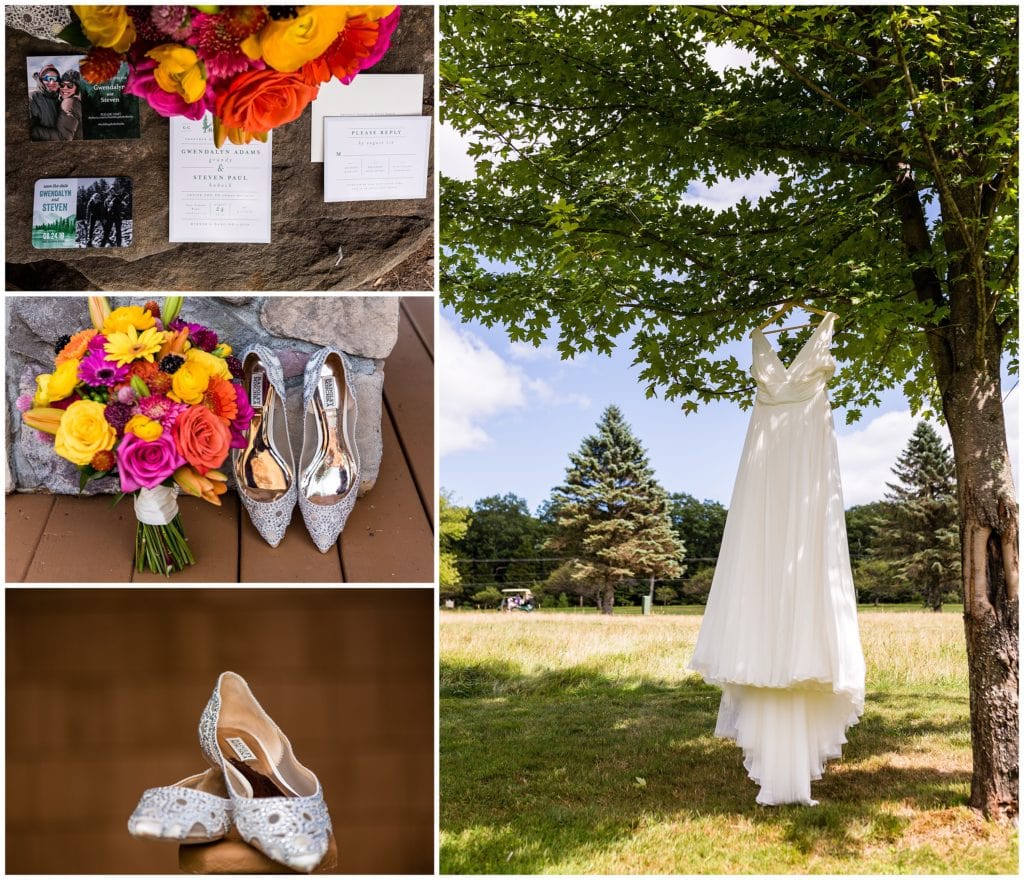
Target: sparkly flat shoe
<point>194,810</point>
<point>264,470</point>
<point>329,462</point>
<point>278,804</point>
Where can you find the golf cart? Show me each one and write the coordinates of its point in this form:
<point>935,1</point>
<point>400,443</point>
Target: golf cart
<point>516,600</point>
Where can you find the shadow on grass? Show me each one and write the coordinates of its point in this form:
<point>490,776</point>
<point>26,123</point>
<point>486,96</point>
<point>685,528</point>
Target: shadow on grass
<point>546,770</point>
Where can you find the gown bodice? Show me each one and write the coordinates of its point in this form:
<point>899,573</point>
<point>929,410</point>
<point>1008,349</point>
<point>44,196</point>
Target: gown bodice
<point>805,377</point>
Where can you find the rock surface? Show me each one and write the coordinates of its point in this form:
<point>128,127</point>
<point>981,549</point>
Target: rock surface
<point>366,326</point>
<point>307,233</point>
<point>34,322</point>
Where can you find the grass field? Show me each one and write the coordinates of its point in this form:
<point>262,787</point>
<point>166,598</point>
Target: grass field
<point>579,744</point>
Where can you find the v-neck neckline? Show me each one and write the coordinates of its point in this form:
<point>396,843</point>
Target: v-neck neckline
<point>803,348</point>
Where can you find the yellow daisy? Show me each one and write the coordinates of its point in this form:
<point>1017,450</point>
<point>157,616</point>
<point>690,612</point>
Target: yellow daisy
<point>119,320</point>
<point>123,348</point>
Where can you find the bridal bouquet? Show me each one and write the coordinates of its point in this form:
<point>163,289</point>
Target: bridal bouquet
<point>253,67</point>
<point>154,399</point>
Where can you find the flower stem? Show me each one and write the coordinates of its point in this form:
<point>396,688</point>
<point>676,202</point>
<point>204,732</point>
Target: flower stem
<point>162,549</point>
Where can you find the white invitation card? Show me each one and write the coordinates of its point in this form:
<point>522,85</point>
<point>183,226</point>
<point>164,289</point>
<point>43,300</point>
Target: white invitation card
<point>369,94</point>
<point>373,158</point>
<point>217,195</point>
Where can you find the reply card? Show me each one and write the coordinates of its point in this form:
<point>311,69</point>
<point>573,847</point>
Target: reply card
<point>369,94</point>
<point>372,158</point>
<point>217,195</point>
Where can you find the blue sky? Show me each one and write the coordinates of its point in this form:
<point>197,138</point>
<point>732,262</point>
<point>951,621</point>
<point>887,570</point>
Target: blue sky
<point>510,414</point>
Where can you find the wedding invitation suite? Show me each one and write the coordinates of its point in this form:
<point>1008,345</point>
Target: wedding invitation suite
<point>372,158</point>
<point>217,195</point>
<point>62,106</point>
<point>369,94</point>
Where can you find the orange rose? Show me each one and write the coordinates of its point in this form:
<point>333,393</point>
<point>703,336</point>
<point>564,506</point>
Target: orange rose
<point>202,438</point>
<point>260,100</point>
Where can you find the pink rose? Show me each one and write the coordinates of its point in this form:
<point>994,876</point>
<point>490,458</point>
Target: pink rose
<point>146,464</point>
<point>143,84</point>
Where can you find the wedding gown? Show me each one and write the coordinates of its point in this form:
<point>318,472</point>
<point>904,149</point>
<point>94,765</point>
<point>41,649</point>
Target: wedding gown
<point>779,634</point>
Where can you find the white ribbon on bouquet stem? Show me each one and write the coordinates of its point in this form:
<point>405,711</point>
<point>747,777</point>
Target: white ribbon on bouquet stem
<point>157,506</point>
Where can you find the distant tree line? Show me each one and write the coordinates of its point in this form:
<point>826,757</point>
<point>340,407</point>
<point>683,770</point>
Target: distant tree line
<point>903,549</point>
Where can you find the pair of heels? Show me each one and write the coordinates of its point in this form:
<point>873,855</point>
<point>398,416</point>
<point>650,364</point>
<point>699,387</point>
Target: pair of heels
<point>254,782</point>
<point>328,477</point>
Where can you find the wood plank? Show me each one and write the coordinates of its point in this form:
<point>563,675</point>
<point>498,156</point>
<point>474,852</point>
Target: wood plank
<point>388,538</point>
<point>26,520</point>
<point>409,395</point>
<point>212,533</point>
<point>295,560</point>
<point>85,540</point>
<point>420,310</point>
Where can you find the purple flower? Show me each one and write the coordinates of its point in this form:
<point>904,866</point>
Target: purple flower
<point>96,370</point>
<point>146,464</point>
<point>240,424</point>
<point>172,20</point>
<point>126,395</point>
<point>200,336</point>
<point>96,344</point>
<point>117,415</point>
<point>24,403</point>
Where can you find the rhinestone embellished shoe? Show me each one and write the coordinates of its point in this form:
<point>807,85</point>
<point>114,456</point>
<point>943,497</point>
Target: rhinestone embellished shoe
<point>195,810</point>
<point>329,462</point>
<point>278,804</point>
<point>264,470</point>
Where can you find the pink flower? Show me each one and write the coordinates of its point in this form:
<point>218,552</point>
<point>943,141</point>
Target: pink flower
<point>142,84</point>
<point>160,409</point>
<point>172,20</point>
<point>96,370</point>
<point>217,39</point>
<point>240,424</point>
<point>146,464</point>
<point>97,343</point>
<point>25,403</point>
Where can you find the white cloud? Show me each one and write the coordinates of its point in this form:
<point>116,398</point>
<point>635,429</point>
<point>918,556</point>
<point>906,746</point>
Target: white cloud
<point>476,384</point>
<point>725,193</point>
<point>722,56</point>
<point>527,351</point>
<point>453,159</point>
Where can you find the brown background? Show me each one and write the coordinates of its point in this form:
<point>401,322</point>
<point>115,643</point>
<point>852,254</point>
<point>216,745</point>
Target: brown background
<point>105,689</point>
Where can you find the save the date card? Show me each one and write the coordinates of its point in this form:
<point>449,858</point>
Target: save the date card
<point>82,212</point>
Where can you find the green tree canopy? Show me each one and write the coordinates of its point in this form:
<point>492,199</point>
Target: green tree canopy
<point>699,525</point>
<point>892,134</point>
<point>612,515</point>
<point>453,522</point>
<point>504,543</point>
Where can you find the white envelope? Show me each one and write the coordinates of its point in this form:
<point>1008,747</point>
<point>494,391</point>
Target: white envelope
<point>369,94</point>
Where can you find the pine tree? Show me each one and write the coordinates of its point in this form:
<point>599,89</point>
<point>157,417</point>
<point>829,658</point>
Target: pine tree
<point>612,515</point>
<point>919,530</point>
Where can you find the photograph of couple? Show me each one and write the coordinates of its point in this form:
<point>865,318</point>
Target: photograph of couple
<point>55,101</point>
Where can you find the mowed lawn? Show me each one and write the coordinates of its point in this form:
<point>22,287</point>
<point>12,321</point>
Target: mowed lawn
<point>576,744</point>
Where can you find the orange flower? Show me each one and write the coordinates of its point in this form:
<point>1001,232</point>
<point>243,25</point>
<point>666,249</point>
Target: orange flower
<point>100,65</point>
<point>202,438</point>
<point>343,58</point>
<point>75,350</point>
<point>219,398</point>
<point>206,486</point>
<point>259,100</point>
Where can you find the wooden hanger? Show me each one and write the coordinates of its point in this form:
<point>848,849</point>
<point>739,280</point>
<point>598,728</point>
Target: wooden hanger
<point>785,308</point>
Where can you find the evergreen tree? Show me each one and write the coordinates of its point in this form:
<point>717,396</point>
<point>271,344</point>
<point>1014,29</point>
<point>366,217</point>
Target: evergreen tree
<point>612,515</point>
<point>919,528</point>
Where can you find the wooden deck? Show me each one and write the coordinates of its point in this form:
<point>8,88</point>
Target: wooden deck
<point>387,539</point>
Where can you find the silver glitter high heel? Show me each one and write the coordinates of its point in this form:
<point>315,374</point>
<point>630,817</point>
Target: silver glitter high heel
<point>329,462</point>
<point>264,469</point>
<point>278,804</point>
<point>195,810</point>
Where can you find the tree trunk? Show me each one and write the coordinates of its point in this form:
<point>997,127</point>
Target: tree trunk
<point>607,598</point>
<point>973,408</point>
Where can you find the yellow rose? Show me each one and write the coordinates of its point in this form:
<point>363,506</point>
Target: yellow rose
<point>107,26</point>
<point>83,432</point>
<point>287,45</point>
<point>213,365</point>
<point>144,428</point>
<point>189,383</point>
<point>119,320</point>
<point>179,71</point>
<point>57,385</point>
